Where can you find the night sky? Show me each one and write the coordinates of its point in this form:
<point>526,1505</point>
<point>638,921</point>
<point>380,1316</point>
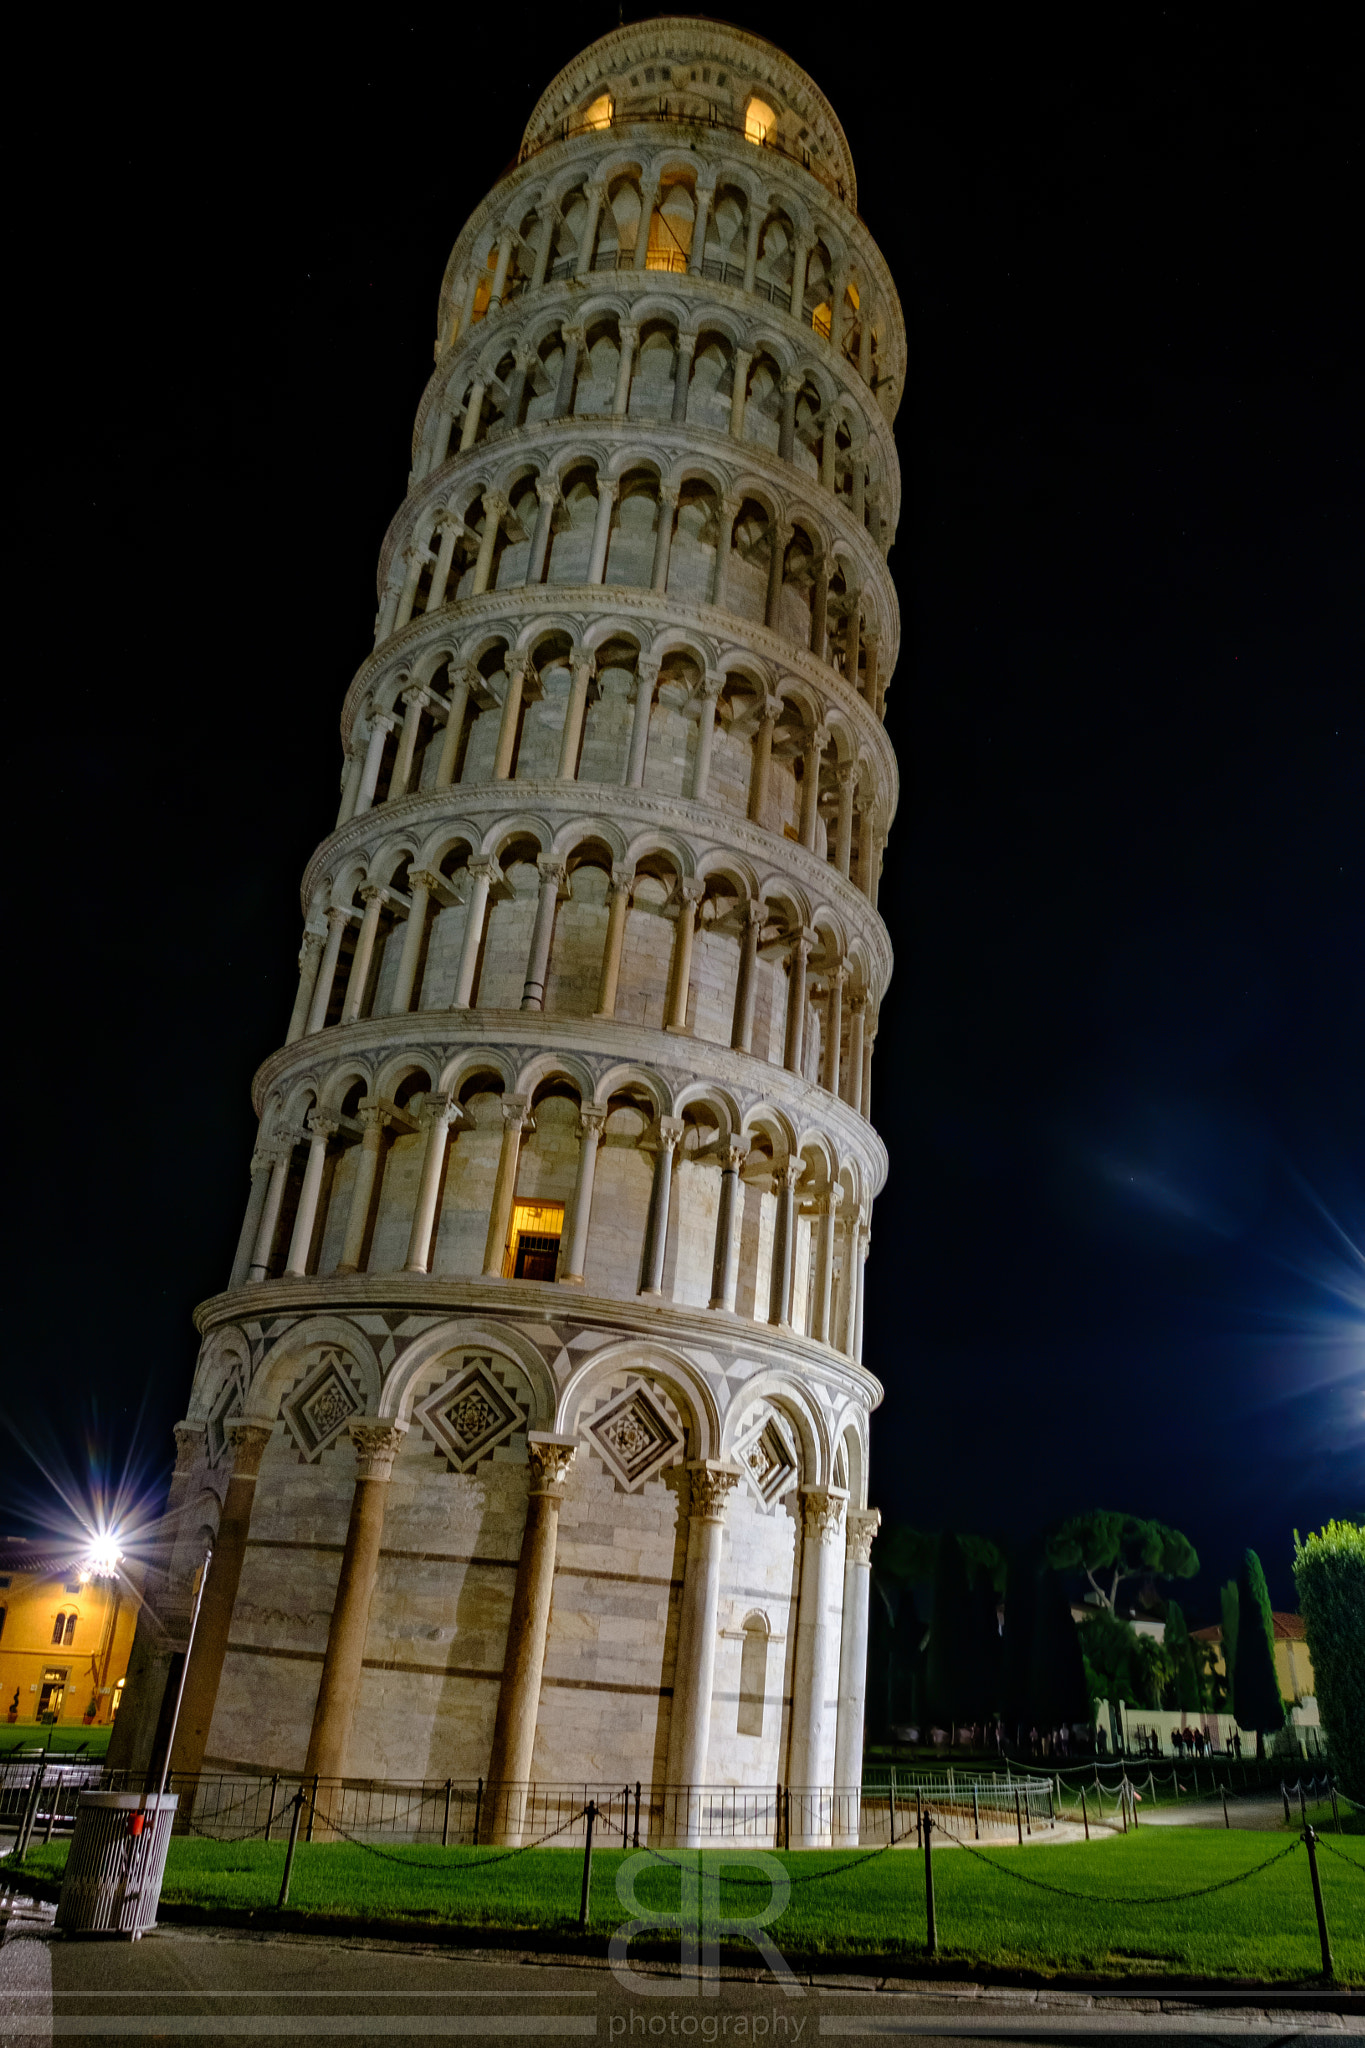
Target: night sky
<point>1121,1070</point>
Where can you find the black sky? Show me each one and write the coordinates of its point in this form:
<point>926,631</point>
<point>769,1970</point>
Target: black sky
<point>1120,1067</point>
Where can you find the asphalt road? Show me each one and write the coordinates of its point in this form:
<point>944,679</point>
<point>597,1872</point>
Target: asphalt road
<point>178,1984</point>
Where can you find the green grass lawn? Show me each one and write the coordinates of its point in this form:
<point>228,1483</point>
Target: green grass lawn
<point>16,1736</point>
<point>1263,1929</point>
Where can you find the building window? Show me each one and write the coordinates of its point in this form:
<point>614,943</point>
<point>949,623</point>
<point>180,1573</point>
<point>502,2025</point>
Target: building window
<point>58,1628</point>
<point>70,1635</point>
<point>759,121</point>
<point>599,114</point>
<point>533,1245</point>
<point>753,1677</point>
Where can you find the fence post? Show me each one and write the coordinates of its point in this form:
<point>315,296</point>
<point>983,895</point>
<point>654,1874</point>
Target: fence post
<point>289,1852</point>
<point>1226,1822</point>
<point>1085,1817</point>
<point>1123,1801</point>
<point>976,1813</point>
<point>636,1840</point>
<point>1284,1794</point>
<point>1311,1839</point>
<point>35,1793</point>
<point>52,1811</point>
<point>270,1813</point>
<point>1303,1807</point>
<point>587,1864</point>
<point>929,1883</point>
<point>478,1812</point>
<point>787,1817</point>
<point>1133,1802</point>
<point>312,1806</point>
<point>445,1818</point>
<point>1018,1818</point>
<point>891,1803</point>
<point>1336,1816</point>
<point>919,1821</point>
<point>1051,1809</point>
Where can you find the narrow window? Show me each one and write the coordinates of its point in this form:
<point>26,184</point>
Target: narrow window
<point>533,1244</point>
<point>599,114</point>
<point>70,1636</point>
<point>58,1627</point>
<point>753,1677</point>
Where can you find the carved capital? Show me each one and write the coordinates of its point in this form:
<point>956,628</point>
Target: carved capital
<point>372,892</point>
<point>484,868</point>
<point>547,490</point>
<point>863,1524</point>
<point>189,1442</point>
<point>822,1513</point>
<point>591,1122</point>
<point>712,1483</point>
<point>248,1441</point>
<point>376,1446</point>
<point>323,1127</point>
<point>516,1112</point>
<point>622,881</point>
<point>670,1130</point>
<point>549,1457</point>
<point>691,889</point>
<point>424,878</point>
<point>371,1116</point>
<point>793,381</point>
<point>495,505</point>
<point>734,1155</point>
<point>440,1109</point>
<point>551,870</point>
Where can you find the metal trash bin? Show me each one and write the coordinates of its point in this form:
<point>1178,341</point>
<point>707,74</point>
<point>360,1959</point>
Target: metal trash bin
<point>115,1864</point>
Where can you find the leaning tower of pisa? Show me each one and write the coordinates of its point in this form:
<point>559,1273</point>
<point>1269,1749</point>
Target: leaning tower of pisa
<point>531,1429</point>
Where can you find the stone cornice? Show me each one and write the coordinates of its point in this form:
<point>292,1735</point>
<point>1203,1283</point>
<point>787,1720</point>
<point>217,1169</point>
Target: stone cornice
<point>521,1034</point>
<point>710,827</point>
<point>703,292</point>
<point>685,439</point>
<point>590,600</point>
<point>696,1329</point>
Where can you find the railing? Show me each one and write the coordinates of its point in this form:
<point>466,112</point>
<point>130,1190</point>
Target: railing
<point>234,1806</point>
<point>708,117</point>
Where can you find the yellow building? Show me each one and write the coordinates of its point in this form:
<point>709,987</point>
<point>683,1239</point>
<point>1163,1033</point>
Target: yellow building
<point>1293,1665</point>
<point>64,1636</point>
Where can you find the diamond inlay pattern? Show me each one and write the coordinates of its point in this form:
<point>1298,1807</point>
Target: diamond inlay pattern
<point>318,1410</point>
<point>768,1459</point>
<point>468,1417</point>
<point>634,1437</point>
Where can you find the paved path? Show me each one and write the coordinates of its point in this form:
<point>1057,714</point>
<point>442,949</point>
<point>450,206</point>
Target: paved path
<point>179,1984</point>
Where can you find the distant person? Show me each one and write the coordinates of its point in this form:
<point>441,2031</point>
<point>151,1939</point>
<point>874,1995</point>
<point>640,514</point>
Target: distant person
<point>1102,1741</point>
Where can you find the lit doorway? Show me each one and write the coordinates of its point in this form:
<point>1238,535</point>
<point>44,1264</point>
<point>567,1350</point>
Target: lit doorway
<point>52,1694</point>
<point>533,1243</point>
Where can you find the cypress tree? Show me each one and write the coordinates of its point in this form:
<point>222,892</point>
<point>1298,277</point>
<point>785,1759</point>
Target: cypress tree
<point>1058,1693</point>
<point>1259,1705</point>
<point>949,1677</point>
<point>1185,1679</point>
<point>1228,1605</point>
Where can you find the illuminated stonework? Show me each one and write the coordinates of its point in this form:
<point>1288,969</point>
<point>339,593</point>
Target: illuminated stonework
<point>566,1161</point>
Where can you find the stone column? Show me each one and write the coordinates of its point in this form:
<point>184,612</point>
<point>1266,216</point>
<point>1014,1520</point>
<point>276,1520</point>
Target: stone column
<point>853,1079</point>
<point>572,338</point>
<point>515,1119</point>
<point>592,192</point>
<point>779,533</point>
<point>859,491</point>
<point>337,920</point>
<point>869,1040</point>
<point>670,1130</point>
<point>452,527</point>
<point>415,557</point>
<point>845,775</point>
<point>415,702</point>
<point>814,754</point>
<point>865,337</point>
<point>248,1441</point>
<point>706,732</point>
<point>860,1275</point>
<point>381,725</point>
<point>547,491</point>
<point>473,414</point>
<point>262,1160</point>
<point>571,743</point>
<point>270,1211</point>
<point>725,545</point>
<point>852,627</point>
<point>320,1129</point>
<point>828,1209</point>
<point>591,1123</point>
<point>786,433</point>
<point>552,874</point>
<point>514,1731</point>
<point>495,510</point>
<point>384,617</point>
<point>376,1446</point>
<point>454,732</point>
<point>374,1121</point>
<point>601,530</point>
<point>510,719</point>
<point>740,392</point>
<point>694,1668</point>
<point>516,391</point>
<point>815,1688</point>
<point>848,1336</point>
<point>422,883</point>
<point>761,765</point>
<point>800,260</point>
<point>310,955</point>
<point>682,377</point>
<point>544,243</point>
<point>507,240</point>
<point>872,641</point>
<point>621,887</point>
<point>438,1113</point>
<point>834,1029</point>
<point>794,1049</point>
<point>865,831</point>
<point>649,199</point>
<point>725,1262</point>
<point>819,612</point>
<point>836,305</point>
<point>704,196</point>
<point>646,676</point>
<point>784,1245</point>
<point>863,1524</point>
<point>663,538</point>
<point>481,872</point>
<point>625,370</point>
<point>746,982</point>
<point>372,896</point>
<point>690,893</point>
<point>751,250</point>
